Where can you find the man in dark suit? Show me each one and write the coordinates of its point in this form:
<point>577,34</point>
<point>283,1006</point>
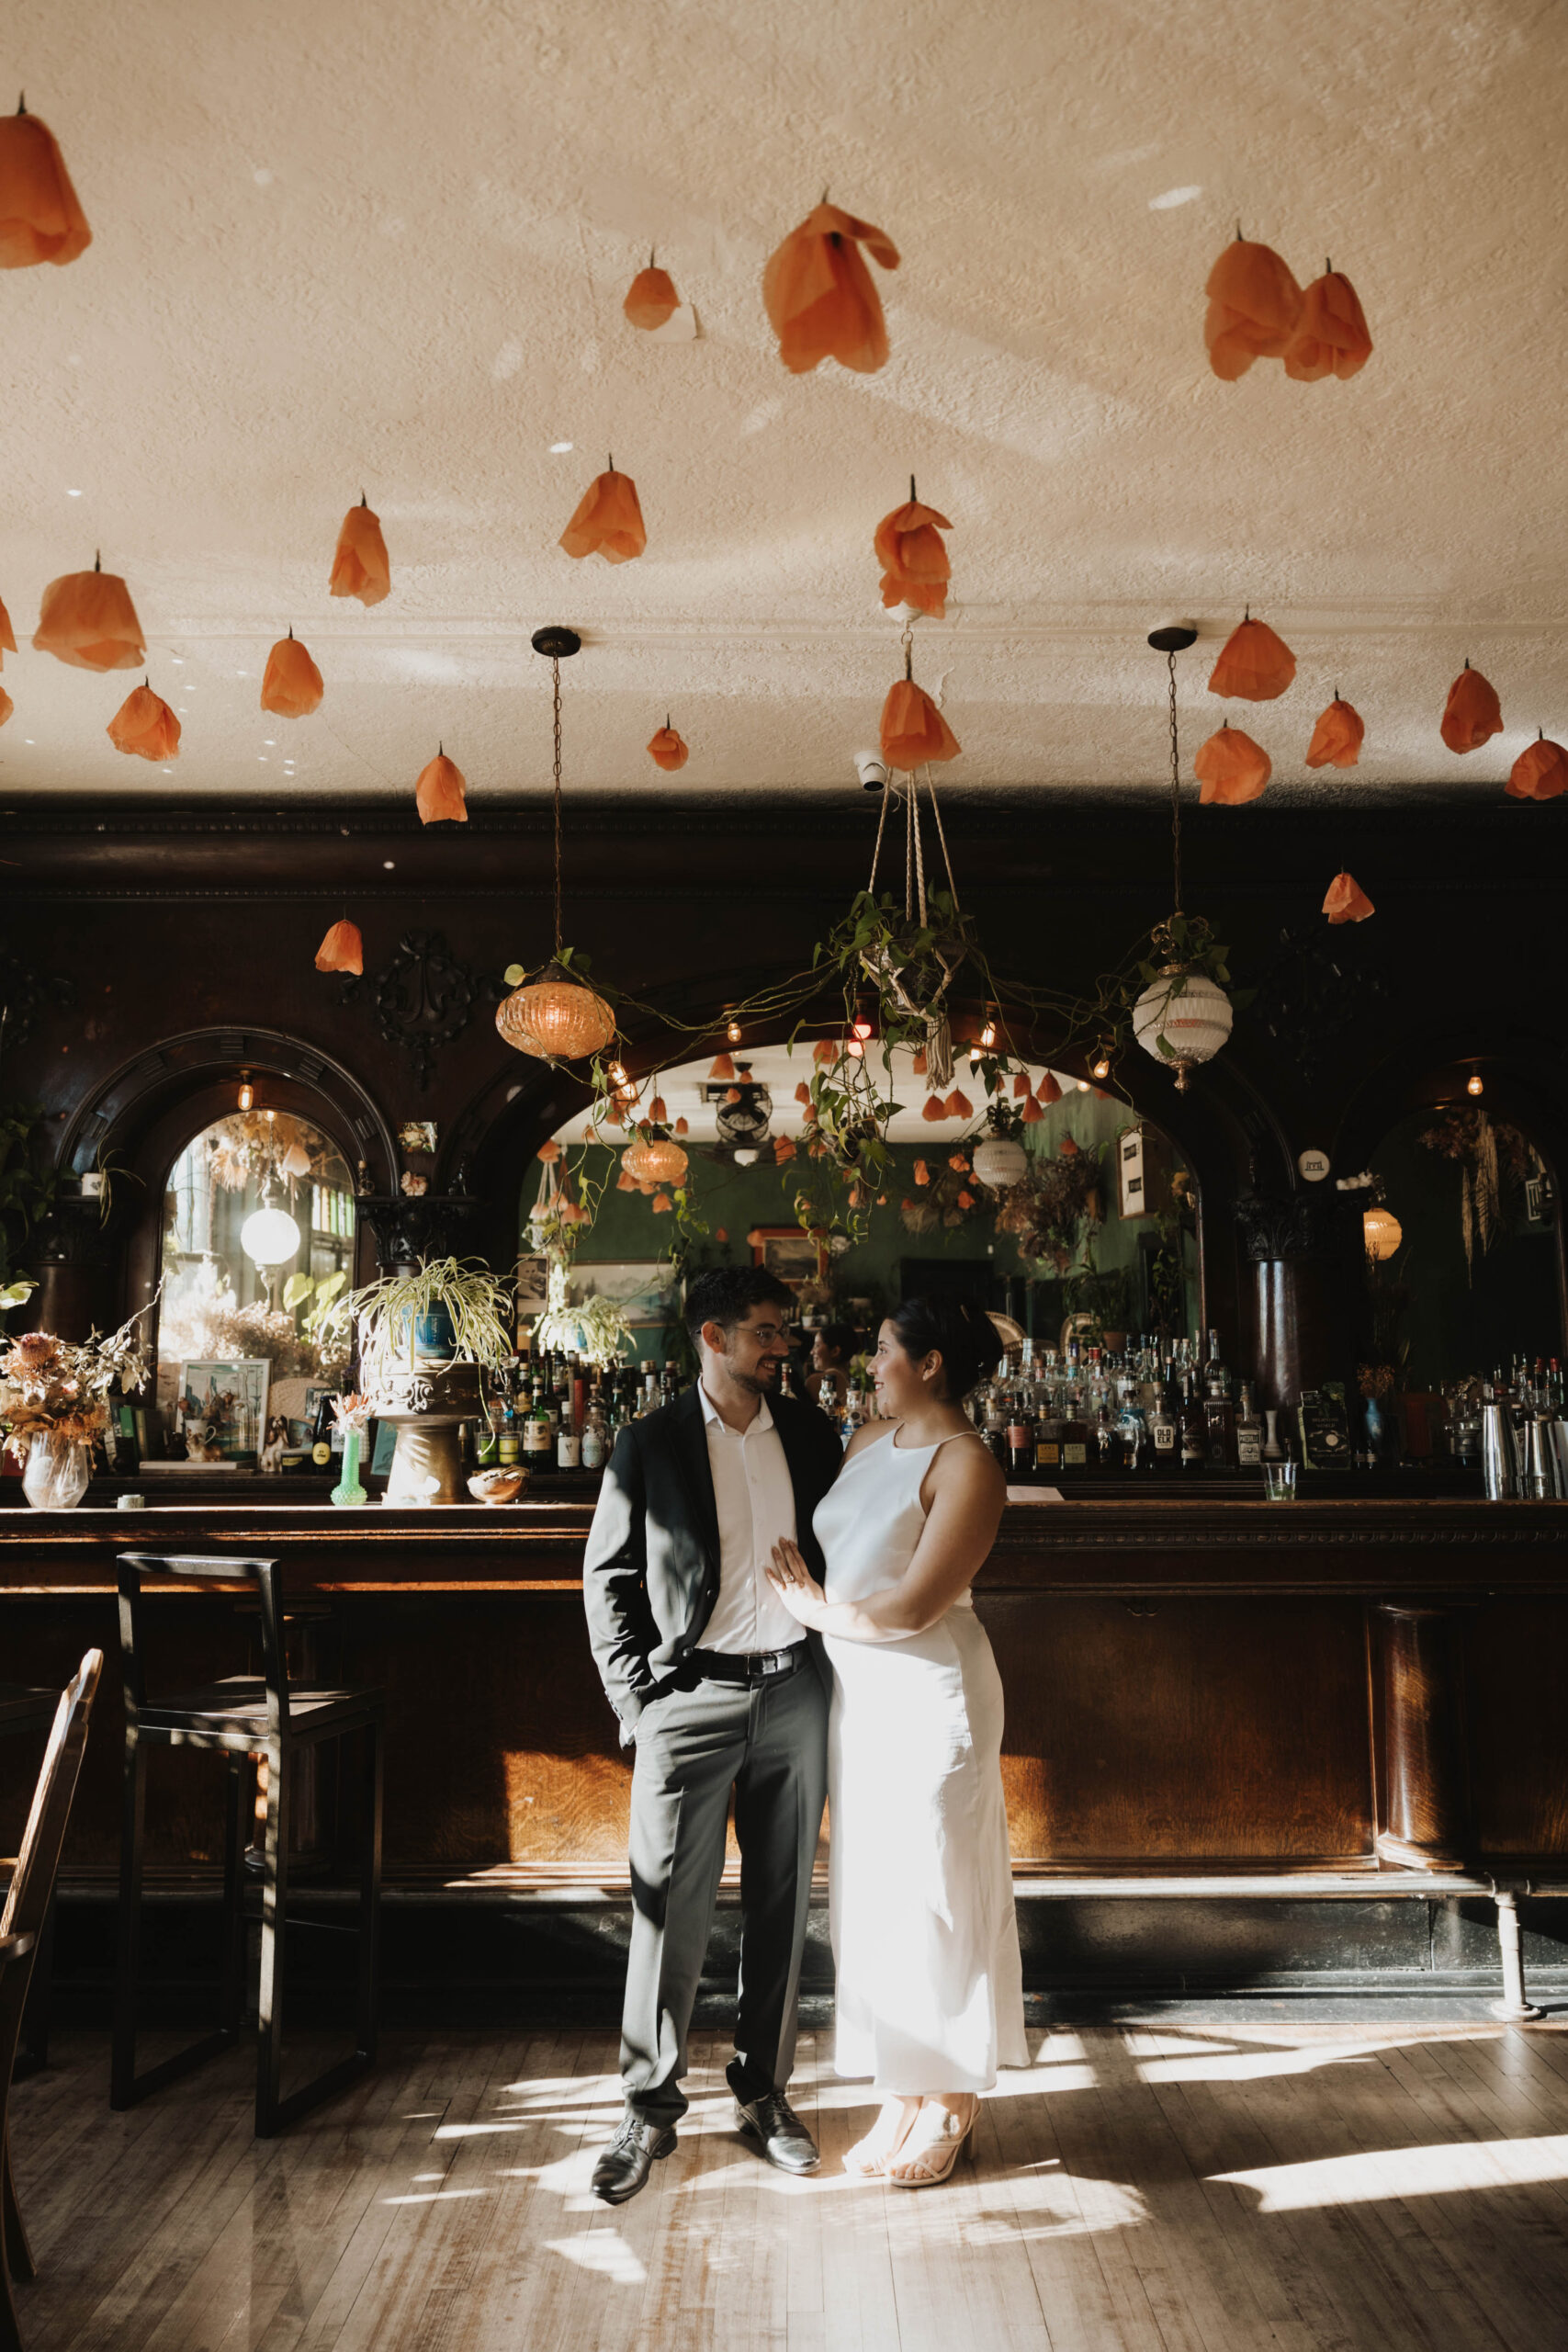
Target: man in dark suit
<point>711,1676</point>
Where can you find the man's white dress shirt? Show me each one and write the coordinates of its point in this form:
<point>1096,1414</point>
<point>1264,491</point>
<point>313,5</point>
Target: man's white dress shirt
<point>756,1509</point>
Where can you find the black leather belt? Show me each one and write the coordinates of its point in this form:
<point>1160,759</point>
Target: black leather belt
<point>745,1665</point>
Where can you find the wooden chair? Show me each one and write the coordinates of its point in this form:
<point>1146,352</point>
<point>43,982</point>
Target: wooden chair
<point>242,1717</point>
<point>25,1710</point>
<point>27,1906</point>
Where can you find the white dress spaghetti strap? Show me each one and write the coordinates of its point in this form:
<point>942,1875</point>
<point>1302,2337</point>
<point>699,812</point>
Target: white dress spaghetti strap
<point>930,1984</point>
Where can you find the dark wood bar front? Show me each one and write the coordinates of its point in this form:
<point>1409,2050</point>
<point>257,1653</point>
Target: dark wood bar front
<point>1369,1690</point>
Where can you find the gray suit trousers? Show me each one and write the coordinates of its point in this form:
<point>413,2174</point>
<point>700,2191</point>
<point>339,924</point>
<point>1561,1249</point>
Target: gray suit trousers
<point>770,1744</point>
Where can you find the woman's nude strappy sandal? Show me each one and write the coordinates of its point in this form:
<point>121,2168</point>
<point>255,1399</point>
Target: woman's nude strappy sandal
<point>936,2145</point>
<point>869,2159</point>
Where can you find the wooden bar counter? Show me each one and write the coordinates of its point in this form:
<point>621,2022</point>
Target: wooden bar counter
<point>1354,1692</point>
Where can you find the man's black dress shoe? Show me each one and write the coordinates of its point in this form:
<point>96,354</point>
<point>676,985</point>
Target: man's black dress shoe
<point>623,2167</point>
<point>773,2123</point>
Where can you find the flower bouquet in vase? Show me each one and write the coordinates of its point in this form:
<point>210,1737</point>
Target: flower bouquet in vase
<point>54,1401</point>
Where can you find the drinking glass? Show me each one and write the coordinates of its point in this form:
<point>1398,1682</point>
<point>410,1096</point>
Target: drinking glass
<point>1278,1482</point>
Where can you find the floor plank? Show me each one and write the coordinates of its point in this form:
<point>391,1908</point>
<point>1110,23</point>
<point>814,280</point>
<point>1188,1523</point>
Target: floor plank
<point>1170,2188</point>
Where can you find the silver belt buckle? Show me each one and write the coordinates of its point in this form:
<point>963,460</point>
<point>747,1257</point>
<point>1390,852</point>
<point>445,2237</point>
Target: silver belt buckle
<point>758,1665</point>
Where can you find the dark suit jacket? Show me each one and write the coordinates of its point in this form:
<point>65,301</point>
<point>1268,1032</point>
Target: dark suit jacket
<point>650,1571</point>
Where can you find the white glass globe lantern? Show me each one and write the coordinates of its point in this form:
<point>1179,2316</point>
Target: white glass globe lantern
<point>1382,1232</point>
<point>1195,1021</point>
<point>1000,1161</point>
<point>270,1236</point>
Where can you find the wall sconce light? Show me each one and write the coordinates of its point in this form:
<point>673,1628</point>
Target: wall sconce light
<point>247,1091</point>
<point>1474,1083</point>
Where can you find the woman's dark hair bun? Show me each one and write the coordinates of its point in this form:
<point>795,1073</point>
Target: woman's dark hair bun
<point>963,1336</point>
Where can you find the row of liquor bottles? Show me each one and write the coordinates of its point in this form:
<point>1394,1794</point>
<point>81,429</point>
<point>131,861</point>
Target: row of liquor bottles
<point>553,1411</point>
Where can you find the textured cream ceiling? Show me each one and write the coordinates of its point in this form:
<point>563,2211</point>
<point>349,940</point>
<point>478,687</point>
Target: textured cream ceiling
<point>347,245</point>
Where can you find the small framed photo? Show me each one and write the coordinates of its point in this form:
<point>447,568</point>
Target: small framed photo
<point>417,1135</point>
<point>531,1283</point>
<point>786,1251</point>
<point>222,1408</point>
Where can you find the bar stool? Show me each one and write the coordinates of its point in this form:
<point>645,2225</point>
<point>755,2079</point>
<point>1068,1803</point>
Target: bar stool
<point>26,1709</point>
<point>243,1718</point>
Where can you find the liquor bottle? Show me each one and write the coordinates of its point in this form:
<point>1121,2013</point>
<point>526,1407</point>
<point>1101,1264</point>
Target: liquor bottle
<point>568,1443</point>
<point>1163,1435</point>
<point>321,1455</point>
<point>536,1445</point>
<point>1216,1379</point>
<point>1248,1432</point>
<point>595,1438</point>
<point>1021,1441</point>
<point>506,1445</point>
<point>1194,1434</point>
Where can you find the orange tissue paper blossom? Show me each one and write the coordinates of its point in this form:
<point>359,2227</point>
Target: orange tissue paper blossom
<point>146,726</point>
<point>1254,306</point>
<point>1346,901</point>
<point>291,683</point>
<point>913,730</point>
<point>1048,1090</point>
<point>441,793</point>
<point>666,749</point>
<point>1540,772</point>
<point>1336,739</point>
<point>343,949</point>
<point>651,298</point>
<point>820,295</point>
<point>934,1108</point>
<point>41,216</point>
<point>608,520</point>
<point>914,560</point>
<point>1254,663</point>
<point>88,621</point>
<point>1231,767</point>
<point>1473,712</point>
<point>359,566</point>
<point>1330,338</point>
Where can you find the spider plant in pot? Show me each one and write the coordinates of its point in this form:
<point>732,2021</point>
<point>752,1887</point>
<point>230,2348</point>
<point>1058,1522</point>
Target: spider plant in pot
<point>441,1312</point>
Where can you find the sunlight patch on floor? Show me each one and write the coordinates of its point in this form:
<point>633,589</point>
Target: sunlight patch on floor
<point>1371,2176</point>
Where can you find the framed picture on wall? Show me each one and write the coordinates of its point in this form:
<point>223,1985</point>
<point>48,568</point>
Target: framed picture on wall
<point>222,1408</point>
<point>787,1252</point>
<point>643,1287</point>
<point>533,1277</point>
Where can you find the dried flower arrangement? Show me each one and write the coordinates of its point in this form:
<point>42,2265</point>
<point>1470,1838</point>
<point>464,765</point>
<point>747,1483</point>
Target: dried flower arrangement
<point>1491,1153</point>
<point>61,1386</point>
<point>1046,1212</point>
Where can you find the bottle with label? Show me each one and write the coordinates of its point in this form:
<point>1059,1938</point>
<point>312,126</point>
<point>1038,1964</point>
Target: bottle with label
<point>321,1455</point>
<point>508,1446</point>
<point>595,1438</point>
<point>1021,1441</point>
<point>1216,1379</point>
<point>536,1442</point>
<point>1190,1421</point>
<point>1074,1437</point>
<point>568,1441</point>
<point>1163,1435</point>
<point>1248,1432</point>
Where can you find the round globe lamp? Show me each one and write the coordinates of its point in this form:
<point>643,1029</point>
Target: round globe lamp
<point>1195,1021</point>
<point>1000,1161</point>
<point>270,1236</point>
<point>1382,1232</point>
<point>554,1018</point>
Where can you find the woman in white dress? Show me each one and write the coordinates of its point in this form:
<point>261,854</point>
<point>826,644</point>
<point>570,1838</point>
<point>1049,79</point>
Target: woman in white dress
<point>930,1997</point>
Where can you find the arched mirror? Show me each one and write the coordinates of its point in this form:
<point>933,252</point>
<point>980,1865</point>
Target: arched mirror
<point>257,1243</point>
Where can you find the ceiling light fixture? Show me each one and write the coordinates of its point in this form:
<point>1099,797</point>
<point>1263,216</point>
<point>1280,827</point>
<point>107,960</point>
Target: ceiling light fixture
<point>247,1094</point>
<point>1183,1017</point>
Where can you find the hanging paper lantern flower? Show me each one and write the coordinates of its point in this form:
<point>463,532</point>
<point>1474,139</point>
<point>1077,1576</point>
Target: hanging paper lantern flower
<point>1346,901</point>
<point>934,1108</point>
<point>1021,1089</point>
<point>343,949</point>
<point>914,568</point>
<point>783,1150</point>
<point>359,565</point>
<point>1331,336</point>
<point>1231,767</point>
<point>682,1126</point>
<point>439,796</point>
<point>291,683</point>
<point>145,723</point>
<point>1030,1114</point>
<point>667,751</point>
<point>7,642</point>
<point>1337,737</point>
<point>663,1204</point>
<point>608,520</point>
<point>803,1092</point>
<point>922,1173</point>
<point>1540,772</point>
<point>6,706</point>
<point>40,219</point>
<point>1254,307</point>
<point>1473,712</point>
<point>1049,1089</point>
<point>723,1069</point>
<point>824,1051</point>
<point>959,1105</point>
<point>88,621</point>
<point>624,1183</point>
<point>919,1065</point>
<point>651,298</point>
<point>1069,1148</point>
<point>913,730</point>
<point>548,1151</point>
<point>1254,663</point>
<point>656,1110</point>
<point>820,294</point>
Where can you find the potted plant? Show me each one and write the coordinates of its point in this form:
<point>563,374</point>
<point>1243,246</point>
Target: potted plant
<point>427,1397</point>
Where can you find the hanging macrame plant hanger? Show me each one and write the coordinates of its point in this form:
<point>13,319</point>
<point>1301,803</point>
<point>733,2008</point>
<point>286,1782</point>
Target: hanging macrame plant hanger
<point>921,1003</point>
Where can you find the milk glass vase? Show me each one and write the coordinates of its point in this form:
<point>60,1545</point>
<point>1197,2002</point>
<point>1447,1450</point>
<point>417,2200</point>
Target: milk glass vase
<point>57,1471</point>
<point>348,1490</point>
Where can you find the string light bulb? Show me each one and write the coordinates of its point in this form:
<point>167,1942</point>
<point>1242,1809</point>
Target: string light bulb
<point>988,1035</point>
<point>1100,1066</point>
<point>1475,1083</point>
<point>733,1032</point>
<point>247,1091</point>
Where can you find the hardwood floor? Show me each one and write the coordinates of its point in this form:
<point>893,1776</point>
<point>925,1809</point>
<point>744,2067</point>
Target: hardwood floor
<point>1178,2188</point>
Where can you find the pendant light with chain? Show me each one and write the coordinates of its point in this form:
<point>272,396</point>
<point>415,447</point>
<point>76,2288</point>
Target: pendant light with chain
<point>554,1016</point>
<point>1183,1016</point>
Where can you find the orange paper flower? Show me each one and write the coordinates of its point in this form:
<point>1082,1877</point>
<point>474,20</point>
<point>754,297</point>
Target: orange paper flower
<point>723,1069</point>
<point>548,1151</point>
<point>824,1051</point>
<point>959,1105</point>
<point>291,683</point>
<point>1021,1089</point>
<point>1331,336</point>
<point>1346,901</point>
<point>1254,663</point>
<point>439,796</point>
<point>913,730</point>
<point>145,723</point>
<point>820,294</point>
<point>682,1126</point>
<point>1048,1090</point>
<point>40,219</point>
<point>922,1173</point>
<point>624,1183</point>
<point>87,619</point>
<point>651,298</point>
<point>667,751</point>
<point>784,1148</point>
<point>1231,767</point>
<point>7,642</point>
<point>803,1092</point>
<point>6,706</point>
<point>342,950</point>
<point>360,566</point>
<point>957,1159</point>
<point>1473,712</point>
<point>915,568</point>
<point>1336,739</point>
<point>918,1064</point>
<point>1030,1114</point>
<point>1254,307</point>
<point>934,1108</point>
<point>608,520</point>
<point>663,1204</point>
<point>1540,772</point>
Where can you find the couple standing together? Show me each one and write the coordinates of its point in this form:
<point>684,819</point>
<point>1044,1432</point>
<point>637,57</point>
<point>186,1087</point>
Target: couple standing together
<point>773,1616</point>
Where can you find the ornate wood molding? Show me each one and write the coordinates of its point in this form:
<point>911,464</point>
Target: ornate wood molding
<point>424,998</point>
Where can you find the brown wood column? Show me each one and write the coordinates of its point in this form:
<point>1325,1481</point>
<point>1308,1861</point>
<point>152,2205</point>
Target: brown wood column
<point>1420,1776</point>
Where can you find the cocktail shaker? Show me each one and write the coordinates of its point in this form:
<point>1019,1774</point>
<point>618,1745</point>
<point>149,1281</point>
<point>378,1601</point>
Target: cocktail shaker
<point>1535,1458</point>
<point>1556,1435</point>
<point>1499,1453</point>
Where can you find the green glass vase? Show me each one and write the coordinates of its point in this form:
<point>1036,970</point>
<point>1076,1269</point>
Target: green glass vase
<point>348,1490</point>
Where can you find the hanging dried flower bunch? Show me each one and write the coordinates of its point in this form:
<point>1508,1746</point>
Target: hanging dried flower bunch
<point>820,294</point>
<point>1540,772</point>
<point>1346,901</point>
<point>666,748</point>
<point>914,560</point>
<point>1331,336</point>
<point>41,218</point>
<point>291,683</point>
<point>440,793</point>
<point>1487,1150</point>
<point>359,566</point>
<point>145,725</point>
<point>608,520</point>
<point>1254,306</point>
<point>88,621</point>
<point>651,299</point>
<point>1231,767</point>
<point>343,949</point>
<point>1254,663</point>
<point>1473,712</point>
<point>1337,737</point>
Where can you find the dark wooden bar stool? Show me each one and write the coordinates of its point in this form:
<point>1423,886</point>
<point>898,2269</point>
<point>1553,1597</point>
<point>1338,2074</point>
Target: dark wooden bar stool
<point>24,1709</point>
<point>280,1724</point>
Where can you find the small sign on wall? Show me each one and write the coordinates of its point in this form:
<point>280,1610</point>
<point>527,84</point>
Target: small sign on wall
<point>1313,1167</point>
